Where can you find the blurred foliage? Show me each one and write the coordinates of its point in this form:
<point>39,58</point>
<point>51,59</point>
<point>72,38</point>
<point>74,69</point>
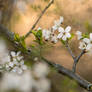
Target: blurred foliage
<point>36,7</point>
<point>69,85</point>
<point>88,26</point>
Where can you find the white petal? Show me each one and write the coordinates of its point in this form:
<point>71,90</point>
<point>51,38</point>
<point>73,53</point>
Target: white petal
<point>86,40</point>
<point>59,35</point>
<point>68,35</point>
<point>61,29</point>
<point>89,46</point>
<point>13,53</point>
<point>61,19</point>
<point>39,28</point>
<point>24,67</point>
<point>18,53</point>
<point>54,27</point>
<point>11,64</point>
<point>79,33</point>
<point>19,71</point>
<point>91,36</point>
<point>44,32</point>
<point>54,39</point>
<point>64,38</point>
<point>68,29</point>
<point>22,62</point>
<point>82,46</point>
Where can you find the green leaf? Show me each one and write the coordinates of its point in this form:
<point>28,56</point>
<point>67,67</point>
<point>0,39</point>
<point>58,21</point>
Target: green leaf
<point>21,41</point>
<point>38,36</point>
<point>16,37</point>
<point>86,35</point>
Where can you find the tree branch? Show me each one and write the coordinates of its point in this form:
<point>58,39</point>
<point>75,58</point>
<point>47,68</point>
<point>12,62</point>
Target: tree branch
<point>82,82</point>
<point>42,13</point>
<point>70,51</point>
<point>77,59</point>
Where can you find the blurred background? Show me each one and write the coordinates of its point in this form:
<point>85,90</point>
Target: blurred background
<point>20,15</point>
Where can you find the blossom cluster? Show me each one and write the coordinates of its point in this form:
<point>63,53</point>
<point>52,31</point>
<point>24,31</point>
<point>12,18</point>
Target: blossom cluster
<point>57,32</point>
<point>36,78</point>
<point>16,63</point>
<point>85,41</point>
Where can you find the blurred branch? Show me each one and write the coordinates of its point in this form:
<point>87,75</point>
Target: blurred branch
<point>82,82</point>
<point>62,70</point>
<point>42,13</point>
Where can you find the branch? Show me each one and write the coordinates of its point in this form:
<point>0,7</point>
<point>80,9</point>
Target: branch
<point>77,59</point>
<point>70,51</point>
<point>42,13</point>
<point>83,83</point>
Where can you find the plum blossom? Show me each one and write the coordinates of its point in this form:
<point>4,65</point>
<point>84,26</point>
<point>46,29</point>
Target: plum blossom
<point>64,34</point>
<point>14,81</point>
<point>86,43</point>
<point>79,35</point>
<point>40,70</point>
<point>57,23</point>
<point>54,39</point>
<point>91,38</point>
<point>16,64</point>
<point>27,81</point>
<point>46,34</point>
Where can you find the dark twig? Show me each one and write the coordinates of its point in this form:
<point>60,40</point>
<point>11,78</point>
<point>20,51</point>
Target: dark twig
<point>69,50</point>
<point>77,59</point>
<point>42,13</point>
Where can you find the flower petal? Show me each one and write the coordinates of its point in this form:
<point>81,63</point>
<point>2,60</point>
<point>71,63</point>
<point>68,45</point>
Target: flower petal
<point>86,40</point>
<point>68,29</point>
<point>59,35</point>
<point>64,38</point>
<point>91,36</point>
<point>61,29</point>
<point>68,35</point>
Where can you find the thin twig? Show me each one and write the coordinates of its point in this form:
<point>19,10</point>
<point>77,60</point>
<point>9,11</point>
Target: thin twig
<point>69,50</point>
<point>42,13</point>
<point>76,60</point>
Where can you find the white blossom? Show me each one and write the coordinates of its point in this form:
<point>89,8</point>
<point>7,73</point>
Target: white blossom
<point>40,70</point>
<point>46,34</point>
<point>54,39</point>
<point>91,38</point>
<point>14,81</point>
<point>17,65</point>
<point>57,23</point>
<point>64,34</point>
<point>79,35</point>
<point>85,44</point>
